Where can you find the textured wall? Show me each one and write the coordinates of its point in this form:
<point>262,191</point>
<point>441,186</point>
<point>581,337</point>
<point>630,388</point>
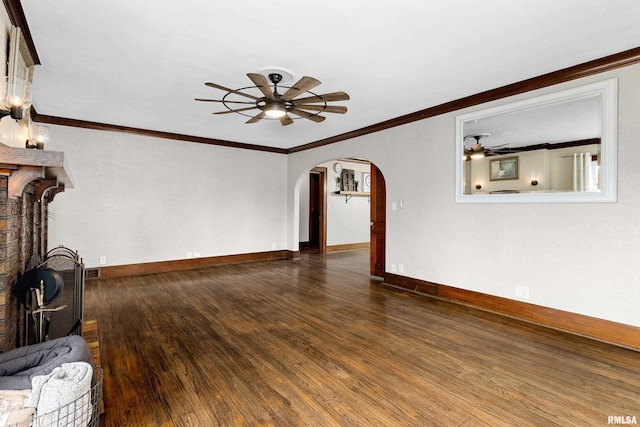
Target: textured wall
<point>139,199</point>
<point>573,256</point>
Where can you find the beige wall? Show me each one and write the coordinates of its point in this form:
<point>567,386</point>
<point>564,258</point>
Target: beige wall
<point>140,199</point>
<point>575,257</point>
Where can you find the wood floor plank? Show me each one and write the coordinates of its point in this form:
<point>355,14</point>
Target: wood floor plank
<point>318,342</point>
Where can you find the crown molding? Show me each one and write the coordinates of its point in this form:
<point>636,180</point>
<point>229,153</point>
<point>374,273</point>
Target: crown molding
<point>597,66</point>
<point>40,118</point>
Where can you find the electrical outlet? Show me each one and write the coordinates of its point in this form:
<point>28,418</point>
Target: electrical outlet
<point>103,260</point>
<point>189,254</point>
<point>400,268</point>
<point>273,246</point>
<point>196,254</point>
<point>522,291</point>
<point>393,268</point>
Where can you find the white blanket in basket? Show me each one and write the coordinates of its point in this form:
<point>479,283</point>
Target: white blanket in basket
<point>12,410</point>
<point>62,398</point>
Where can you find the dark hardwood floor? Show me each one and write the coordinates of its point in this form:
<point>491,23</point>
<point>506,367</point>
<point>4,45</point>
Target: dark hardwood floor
<point>317,342</point>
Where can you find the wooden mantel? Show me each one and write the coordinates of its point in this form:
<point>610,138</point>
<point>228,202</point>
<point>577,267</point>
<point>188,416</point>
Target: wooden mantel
<point>24,165</point>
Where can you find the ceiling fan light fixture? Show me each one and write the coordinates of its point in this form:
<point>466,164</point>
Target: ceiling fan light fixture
<point>275,110</point>
<point>273,105</point>
<point>477,151</point>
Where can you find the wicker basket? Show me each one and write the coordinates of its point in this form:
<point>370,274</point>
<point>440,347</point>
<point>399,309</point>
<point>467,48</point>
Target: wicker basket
<point>83,412</point>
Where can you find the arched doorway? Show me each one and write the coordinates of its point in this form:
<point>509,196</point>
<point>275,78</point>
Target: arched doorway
<point>313,210</point>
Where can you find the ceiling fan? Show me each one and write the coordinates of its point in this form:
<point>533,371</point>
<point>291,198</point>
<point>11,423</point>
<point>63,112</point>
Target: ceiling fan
<point>477,151</point>
<point>274,105</point>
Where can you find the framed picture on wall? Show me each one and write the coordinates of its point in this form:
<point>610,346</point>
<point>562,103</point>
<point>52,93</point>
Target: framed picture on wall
<point>505,168</point>
<point>366,182</point>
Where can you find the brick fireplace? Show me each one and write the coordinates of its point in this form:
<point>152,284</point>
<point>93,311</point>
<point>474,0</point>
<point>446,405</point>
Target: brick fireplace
<point>29,180</point>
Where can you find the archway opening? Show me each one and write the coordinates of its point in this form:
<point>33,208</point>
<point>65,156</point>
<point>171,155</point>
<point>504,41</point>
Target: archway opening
<point>342,206</point>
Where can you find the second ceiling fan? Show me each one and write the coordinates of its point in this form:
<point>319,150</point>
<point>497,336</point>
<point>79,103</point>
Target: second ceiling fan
<point>478,151</point>
<point>274,105</point>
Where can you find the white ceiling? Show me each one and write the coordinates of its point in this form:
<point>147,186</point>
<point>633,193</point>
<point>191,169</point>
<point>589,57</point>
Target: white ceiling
<point>141,63</point>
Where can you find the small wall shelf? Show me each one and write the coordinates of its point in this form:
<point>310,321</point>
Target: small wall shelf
<point>349,194</point>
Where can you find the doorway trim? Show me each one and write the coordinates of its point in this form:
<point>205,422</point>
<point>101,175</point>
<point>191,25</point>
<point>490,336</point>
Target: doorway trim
<point>378,222</point>
<point>321,200</point>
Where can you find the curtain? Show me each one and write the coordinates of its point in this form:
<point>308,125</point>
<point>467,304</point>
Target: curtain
<point>585,172</point>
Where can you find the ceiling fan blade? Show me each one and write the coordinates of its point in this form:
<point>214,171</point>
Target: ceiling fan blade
<point>226,102</point>
<point>324,108</point>
<point>255,118</point>
<point>312,117</point>
<point>236,111</point>
<point>497,146</point>
<point>286,120</point>
<point>226,89</point>
<point>304,84</point>
<point>262,83</point>
<point>327,97</point>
